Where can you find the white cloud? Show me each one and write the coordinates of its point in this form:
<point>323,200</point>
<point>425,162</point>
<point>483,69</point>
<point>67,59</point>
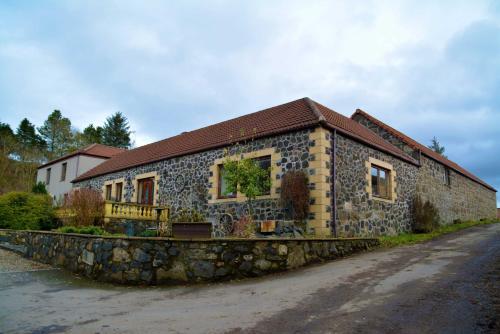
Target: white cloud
<point>172,67</point>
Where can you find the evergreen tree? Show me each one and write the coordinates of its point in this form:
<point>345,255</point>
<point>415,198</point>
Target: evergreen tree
<point>7,139</point>
<point>56,131</point>
<point>30,145</point>
<point>92,135</point>
<point>116,131</point>
<point>26,135</point>
<point>436,147</point>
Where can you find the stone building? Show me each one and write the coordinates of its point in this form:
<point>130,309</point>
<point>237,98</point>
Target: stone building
<point>363,174</point>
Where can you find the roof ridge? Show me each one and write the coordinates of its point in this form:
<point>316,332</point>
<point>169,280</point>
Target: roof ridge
<point>422,148</point>
<point>86,148</point>
<point>314,108</point>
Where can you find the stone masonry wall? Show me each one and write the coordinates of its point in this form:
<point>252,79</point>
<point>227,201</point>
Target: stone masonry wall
<point>161,260</point>
<point>184,181</point>
<point>462,199</point>
<point>357,214</point>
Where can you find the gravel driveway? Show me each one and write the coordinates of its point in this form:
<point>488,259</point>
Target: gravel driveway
<point>449,285</point>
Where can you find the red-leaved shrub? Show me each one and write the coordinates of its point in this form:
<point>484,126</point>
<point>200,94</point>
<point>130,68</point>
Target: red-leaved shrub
<point>86,207</point>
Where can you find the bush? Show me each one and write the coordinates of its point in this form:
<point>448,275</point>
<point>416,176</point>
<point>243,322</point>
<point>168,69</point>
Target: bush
<point>188,216</point>
<point>294,194</point>
<point>26,211</point>
<point>39,188</point>
<point>426,216</point>
<point>244,227</point>
<point>148,234</point>
<point>87,206</point>
<point>92,230</point>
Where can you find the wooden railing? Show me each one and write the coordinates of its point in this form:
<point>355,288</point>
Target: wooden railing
<point>134,211</point>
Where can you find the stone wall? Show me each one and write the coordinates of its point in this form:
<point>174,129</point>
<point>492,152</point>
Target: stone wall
<point>184,181</point>
<point>358,214</point>
<point>461,199</point>
<point>161,260</point>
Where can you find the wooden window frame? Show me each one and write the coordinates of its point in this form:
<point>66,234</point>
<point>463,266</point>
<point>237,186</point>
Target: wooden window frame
<point>118,185</point>
<point>47,176</point>
<point>388,181</point>
<point>265,157</point>
<point>220,194</point>
<point>447,177</point>
<point>108,192</point>
<point>64,169</point>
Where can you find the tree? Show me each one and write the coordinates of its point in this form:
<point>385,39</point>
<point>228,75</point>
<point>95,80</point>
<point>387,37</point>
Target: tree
<point>30,144</point>
<point>56,131</point>
<point>436,147</point>
<point>92,135</point>
<point>116,131</point>
<point>7,139</point>
<point>247,177</point>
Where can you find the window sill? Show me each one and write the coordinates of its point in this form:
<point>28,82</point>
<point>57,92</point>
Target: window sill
<point>241,199</point>
<point>381,199</point>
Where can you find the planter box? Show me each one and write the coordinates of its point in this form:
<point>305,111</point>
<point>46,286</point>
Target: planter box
<point>192,230</point>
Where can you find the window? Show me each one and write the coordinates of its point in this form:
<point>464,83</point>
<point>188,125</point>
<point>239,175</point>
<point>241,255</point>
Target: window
<point>446,177</point>
<point>118,191</point>
<point>146,191</point>
<point>108,192</point>
<point>63,171</point>
<point>265,163</point>
<point>47,177</point>
<point>380,182</point>
<point>223,185</point>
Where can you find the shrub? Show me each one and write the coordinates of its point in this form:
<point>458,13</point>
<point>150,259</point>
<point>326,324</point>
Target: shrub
<point>188,216</point>
<point>426,216</point>
<point>294,194</point>
<point>92,230</point>
<point>22,210</point>
<point>148,234</point>
<point>87,206</point>
<point>244,227</point>
<point>39,188</point>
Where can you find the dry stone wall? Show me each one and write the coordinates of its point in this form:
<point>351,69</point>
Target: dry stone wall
<point>160,260</point>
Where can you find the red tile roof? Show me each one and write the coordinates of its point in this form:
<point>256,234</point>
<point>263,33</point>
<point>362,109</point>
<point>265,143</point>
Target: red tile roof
<point>93,150</point>
<point>424,149</point>
<point>291,116</point>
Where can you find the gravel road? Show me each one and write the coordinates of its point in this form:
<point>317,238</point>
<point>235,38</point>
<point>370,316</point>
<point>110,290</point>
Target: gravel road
<point>448,285</point>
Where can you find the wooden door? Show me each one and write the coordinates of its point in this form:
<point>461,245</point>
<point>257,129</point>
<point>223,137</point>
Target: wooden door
<point>146,189</point>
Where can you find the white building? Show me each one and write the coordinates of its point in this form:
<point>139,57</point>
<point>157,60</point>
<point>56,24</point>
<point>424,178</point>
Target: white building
<point>58,174</point>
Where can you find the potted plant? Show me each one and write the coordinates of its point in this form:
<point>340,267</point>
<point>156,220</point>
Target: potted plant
<point>190,224</point>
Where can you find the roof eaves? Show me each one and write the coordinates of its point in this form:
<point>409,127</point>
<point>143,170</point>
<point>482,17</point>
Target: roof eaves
<point>417,146</point>
<point>374,145</point>
<point>297,127</point>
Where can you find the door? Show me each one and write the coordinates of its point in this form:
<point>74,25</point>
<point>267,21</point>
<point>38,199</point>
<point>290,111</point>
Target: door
<point>146,188</point>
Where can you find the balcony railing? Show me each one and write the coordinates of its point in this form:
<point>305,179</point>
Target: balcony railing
<point>135,211</point>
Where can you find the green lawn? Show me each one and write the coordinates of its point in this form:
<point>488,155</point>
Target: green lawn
<point>412,238</point>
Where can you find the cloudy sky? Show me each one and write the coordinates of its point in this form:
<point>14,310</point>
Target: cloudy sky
<point>429,68</point>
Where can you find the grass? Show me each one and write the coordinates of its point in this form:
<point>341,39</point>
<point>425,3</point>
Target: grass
<point>413,238</point>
